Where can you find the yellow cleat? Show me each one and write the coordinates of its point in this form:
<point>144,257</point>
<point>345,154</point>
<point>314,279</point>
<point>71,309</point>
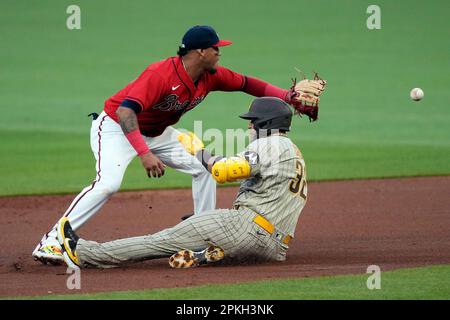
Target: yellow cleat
<point>68,240</point>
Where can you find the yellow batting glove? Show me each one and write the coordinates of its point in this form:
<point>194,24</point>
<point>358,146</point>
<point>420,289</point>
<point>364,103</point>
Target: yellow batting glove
<point>219,171</point>
<point>191,142</point>
<point>238,168</point>
<point>230,170</point>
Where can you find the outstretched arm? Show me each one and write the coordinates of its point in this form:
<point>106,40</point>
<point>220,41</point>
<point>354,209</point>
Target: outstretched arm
<point>207,159</point>
<point>303,96</point>
<point>260,88</point>
<point>222,169</point>
<point>225,169</point>
<point>228,80</point>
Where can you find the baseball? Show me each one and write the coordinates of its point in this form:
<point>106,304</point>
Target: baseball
<point>416,94</point>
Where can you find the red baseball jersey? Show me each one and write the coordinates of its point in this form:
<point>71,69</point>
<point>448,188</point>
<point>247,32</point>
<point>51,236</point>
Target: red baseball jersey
<point>164,92</point>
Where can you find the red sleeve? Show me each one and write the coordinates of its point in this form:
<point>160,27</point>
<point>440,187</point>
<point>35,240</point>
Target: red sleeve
<point>226,80</point>
<point>259,88</point>
<point>147,89</point>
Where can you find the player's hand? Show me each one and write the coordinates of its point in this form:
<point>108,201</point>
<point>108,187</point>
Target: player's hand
<point>152,164</point>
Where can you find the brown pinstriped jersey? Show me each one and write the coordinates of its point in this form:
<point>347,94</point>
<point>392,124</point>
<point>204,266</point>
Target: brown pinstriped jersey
<point>277,187</point>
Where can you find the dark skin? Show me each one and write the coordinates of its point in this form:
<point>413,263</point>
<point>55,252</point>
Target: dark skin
<point>199,61</point>
<point>196,62</point>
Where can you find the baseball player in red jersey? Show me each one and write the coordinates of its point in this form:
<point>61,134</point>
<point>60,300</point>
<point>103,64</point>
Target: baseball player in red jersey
<point>137,120</point>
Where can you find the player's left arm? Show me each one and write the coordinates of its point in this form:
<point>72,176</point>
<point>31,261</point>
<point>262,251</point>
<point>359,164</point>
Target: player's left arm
<point>303,96</point>
<point>228,80</point>
<point>223,169</point>
<point>230,169</point>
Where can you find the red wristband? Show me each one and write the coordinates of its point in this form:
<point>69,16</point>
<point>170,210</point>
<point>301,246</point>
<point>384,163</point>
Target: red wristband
<point>137,141</point>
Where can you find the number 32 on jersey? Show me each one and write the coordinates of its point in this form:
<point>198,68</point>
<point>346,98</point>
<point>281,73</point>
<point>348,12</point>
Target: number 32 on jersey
<point>297,185</point>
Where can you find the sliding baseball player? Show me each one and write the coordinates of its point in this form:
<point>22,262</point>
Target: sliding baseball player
<point>260,225</point>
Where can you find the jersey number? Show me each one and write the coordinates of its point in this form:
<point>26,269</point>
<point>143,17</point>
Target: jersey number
<point>296,184</point>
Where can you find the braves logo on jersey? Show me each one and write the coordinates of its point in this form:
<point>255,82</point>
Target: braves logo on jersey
<point>196,101</point>
<point>171,103</point>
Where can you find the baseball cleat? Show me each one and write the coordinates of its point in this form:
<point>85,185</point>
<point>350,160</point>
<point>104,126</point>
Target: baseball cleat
<point>68,240</point>
<point>49,252</point>
<point>189,258</point>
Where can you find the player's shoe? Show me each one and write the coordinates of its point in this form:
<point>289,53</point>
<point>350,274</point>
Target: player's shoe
<point>48,252</point>
<point>68,240</point>
<point>189,258</point>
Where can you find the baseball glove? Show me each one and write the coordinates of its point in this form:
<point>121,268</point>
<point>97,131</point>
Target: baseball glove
<point>304,96</point>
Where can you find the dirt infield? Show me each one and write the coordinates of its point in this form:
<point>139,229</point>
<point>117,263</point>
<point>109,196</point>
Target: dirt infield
<point>345,227</point>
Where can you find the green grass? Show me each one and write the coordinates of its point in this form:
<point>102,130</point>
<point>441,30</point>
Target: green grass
<point>52,78</point>
<point>418,283</point>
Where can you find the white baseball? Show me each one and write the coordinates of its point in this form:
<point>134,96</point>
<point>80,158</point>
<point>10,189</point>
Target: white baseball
<point>416,94</point>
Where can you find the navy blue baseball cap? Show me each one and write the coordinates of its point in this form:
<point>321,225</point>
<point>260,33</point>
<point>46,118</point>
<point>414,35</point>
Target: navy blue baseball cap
<point>202,37</point>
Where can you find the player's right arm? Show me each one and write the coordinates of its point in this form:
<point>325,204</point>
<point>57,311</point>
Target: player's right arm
<point>130,127</point>
<point>229,169</point>
<point>146,90</point>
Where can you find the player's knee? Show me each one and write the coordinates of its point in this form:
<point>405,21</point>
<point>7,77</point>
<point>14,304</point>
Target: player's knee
<point>109,188</point>
<point>108,191</point>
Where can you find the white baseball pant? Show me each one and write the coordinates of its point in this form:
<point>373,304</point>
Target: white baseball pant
<point>114,153</point>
